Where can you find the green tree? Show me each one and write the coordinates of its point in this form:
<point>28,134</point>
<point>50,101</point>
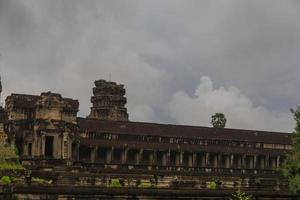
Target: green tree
<point>238,195</point>
<point>292,164</point>
<point>218,120</point>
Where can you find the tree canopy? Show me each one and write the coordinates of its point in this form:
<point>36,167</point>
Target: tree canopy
<point>292,165</point>
<point>218,120</point>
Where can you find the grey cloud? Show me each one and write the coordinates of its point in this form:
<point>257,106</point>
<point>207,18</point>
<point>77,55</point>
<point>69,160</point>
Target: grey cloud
<point>156,48</point>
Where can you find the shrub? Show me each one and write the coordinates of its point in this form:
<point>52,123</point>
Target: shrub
<point>238,195</point>
<point>145,185</point>
<point>41,181</point>
<point>115,183</point>
<point>212,185</point>
<point>5,180</point>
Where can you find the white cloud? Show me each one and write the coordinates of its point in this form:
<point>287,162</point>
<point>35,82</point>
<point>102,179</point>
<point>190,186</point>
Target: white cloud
<point>238,109</point>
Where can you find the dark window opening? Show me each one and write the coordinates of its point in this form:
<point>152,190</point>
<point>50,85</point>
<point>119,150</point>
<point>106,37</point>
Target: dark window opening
<point>85,153</point>
<point>49,146</point>
<point>117,155</point>
<point>101,155</point>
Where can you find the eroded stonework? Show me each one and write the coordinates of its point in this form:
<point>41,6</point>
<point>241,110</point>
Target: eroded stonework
<point>45,129</point>
<point>108,101</point>
<point>42,126</point>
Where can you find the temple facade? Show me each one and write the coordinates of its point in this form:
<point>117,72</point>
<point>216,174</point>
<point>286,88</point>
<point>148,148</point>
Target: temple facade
<point>46,126</point>
<point>42,126</point>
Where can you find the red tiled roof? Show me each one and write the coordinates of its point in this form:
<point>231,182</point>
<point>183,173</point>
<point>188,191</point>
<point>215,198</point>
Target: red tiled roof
<point>152,129</point>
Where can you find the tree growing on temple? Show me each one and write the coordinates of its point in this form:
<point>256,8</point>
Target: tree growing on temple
<point>218,120</point>
<point>292,165</point>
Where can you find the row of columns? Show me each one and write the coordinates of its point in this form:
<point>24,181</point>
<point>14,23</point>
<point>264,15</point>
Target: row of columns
<point>182,158</point>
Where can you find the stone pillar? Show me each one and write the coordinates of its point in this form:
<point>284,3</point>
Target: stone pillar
<point>278,162</point>
<point>203,160</point>
<point>215,161</point>
<point>93,154</point>
<point>190,160</point>
<point>155,158</point>
<point>165,158</point>
<point>43,146</point>
<point>231,160</point>
<point>109,155</point>
<point>194,159</point>
<point>255,161</point>
<point>207,162</point>
<point>240,161</point>
<point>244,161</point>
<point>267,161</point>
<point>124,155</point>
<point>273,162</point>
<point>251,162</point>
<point>227,161</point>
<point>139,156</point>
<point>177,158</point>
<point>261,161</point>
<point>151,158</point>
<point>181,157</point>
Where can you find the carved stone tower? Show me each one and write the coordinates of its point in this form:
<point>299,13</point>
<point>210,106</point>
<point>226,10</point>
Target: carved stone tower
<point>108,101</point>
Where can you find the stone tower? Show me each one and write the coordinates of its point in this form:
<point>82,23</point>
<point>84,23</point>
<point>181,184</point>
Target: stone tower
<point>108,101</point>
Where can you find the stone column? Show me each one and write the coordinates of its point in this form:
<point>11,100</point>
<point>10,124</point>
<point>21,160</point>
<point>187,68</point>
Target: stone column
<point>181,157</point>
<point>151,158</point>
<point>93,154</point>
<point>203,160</point>
<point>251,162</point>
<point>164,158</point>
<point>262,162</point>
<point>231,160</point>
<point>109,155</point>
<point>194,157</point>
<point>255,161</point>
<point>190,160</point>
<point>207,163</point>
<point>273,163</point>
<point>244,161</point>
<point>43,145</point>
<point>278,162</point>
<point>240,161</point>
<point>139,156</point>
<point>124,155</point>
<point>267,161</point>
<point>215,161</point>
<point>227,161</point>
<point>177,158</point>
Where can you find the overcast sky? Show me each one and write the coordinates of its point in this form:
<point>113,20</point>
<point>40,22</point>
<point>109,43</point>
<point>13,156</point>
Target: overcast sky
<point>180,60</point>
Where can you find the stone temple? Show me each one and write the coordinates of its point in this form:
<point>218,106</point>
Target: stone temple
<point>48,133</point>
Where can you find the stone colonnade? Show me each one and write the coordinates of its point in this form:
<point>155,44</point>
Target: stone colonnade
<point>114,155</point>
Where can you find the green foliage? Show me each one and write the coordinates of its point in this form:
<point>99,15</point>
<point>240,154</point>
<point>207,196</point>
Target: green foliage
<point>212,185</point>
<point>145,185</point>
<point>10,166</point>
<point>41,181</point>
<point>115,183</point>
<point>238,195</point>
<point>9,157</point>
<point>292,165</point>
<point>218,120</point>
<point>5,180</point>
